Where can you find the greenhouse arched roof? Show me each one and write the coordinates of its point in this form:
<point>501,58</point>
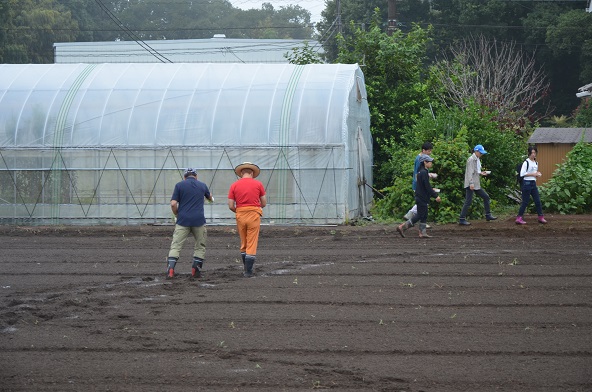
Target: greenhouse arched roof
<point>135,105</point>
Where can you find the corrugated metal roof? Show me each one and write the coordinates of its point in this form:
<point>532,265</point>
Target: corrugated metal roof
<point>210,50</point>
<point>560,135</point>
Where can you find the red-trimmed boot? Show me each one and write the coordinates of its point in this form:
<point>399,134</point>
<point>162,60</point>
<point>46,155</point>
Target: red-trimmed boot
<point>196,268</point>
<point>171,261</point>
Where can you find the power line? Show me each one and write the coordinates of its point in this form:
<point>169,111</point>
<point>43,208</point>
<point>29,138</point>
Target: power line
<point>131,34</point>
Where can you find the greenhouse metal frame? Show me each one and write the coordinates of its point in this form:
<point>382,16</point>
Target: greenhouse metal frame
<point>85,144</point>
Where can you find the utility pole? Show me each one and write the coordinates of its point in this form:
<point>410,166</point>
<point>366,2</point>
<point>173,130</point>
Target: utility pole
<point>339,27</point>
<point>392,16</point>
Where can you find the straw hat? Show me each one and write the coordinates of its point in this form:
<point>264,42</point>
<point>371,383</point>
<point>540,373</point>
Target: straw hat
<point>247,165</point>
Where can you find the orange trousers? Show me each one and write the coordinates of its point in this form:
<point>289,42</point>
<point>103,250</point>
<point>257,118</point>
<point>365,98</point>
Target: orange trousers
<point>248,222</point>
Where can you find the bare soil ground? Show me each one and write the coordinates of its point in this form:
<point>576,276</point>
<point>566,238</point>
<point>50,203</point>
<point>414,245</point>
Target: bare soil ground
<point>490,307</point>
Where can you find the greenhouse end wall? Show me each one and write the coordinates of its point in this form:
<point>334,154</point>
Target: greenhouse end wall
<point>57,168</point>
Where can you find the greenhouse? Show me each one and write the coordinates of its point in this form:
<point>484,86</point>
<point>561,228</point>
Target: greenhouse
<point>88,144</point>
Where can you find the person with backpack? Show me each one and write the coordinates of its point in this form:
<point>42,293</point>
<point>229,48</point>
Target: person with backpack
<point>473,172</point>
<point>529,172</point>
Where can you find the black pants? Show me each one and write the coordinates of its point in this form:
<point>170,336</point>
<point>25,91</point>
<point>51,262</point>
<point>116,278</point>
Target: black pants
<point>469,199</point>
<point>422,212</point>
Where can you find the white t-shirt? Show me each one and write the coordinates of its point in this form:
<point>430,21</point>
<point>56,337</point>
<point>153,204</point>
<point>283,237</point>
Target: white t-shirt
<point>533,167</point>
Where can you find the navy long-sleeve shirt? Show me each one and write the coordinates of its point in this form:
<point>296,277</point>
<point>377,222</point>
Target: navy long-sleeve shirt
<point>424,190</point>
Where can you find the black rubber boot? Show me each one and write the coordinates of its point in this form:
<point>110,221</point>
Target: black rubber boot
<point>196,267</point>
<point>243,255</point>
<point>249,262</point>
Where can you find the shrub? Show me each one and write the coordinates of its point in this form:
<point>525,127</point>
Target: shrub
<point>569,191</point>
<point>449,163</point>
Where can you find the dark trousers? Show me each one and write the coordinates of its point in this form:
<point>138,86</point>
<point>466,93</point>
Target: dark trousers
<point>422,213</point>
<point>469,199</point>
<point>529,188</point>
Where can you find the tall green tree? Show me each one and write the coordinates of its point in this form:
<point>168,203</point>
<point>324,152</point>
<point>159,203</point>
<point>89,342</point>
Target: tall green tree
<point>31,27</point>
<point>560,38</point>
<point>361,13</point>
<point>455,20</point>
<point>573,35</point>
<point>392,67</point>
<point>155,19</point>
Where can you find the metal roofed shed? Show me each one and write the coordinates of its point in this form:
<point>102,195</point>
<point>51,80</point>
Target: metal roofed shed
<point>585,91</point>
<point>211,50</point>
<point>105,143</point>
<point>553,144</point>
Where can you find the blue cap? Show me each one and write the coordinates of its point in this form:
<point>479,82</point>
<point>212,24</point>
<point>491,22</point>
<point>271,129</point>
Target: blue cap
<point>480,148</point>
<point>425,158</point>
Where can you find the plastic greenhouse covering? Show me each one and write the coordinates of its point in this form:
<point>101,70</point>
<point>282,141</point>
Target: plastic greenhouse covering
<point>106,143</point>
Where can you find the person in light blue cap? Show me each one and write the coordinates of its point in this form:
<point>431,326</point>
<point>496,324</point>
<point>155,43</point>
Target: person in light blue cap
<point>473,172</point>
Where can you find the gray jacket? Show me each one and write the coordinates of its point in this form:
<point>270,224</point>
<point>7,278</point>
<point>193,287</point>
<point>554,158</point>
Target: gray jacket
<point>472,175</point>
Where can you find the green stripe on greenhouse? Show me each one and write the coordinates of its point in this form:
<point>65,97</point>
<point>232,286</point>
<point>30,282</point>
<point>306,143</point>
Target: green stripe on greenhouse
<point>58,140</point>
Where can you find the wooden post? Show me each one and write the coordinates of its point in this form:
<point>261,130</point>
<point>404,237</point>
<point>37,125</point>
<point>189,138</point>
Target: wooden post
<point>392,16</point>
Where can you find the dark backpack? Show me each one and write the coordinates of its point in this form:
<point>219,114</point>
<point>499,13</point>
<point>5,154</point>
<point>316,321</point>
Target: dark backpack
<point>519,178</point>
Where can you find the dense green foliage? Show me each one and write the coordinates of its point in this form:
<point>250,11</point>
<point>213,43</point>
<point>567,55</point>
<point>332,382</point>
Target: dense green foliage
<point>28,28</point>
<point>556,33</point>
<point>569,191</point>
<point>454,133</point>
<point>583,114</point>
<point>305,54</point>
<point>392,68</point>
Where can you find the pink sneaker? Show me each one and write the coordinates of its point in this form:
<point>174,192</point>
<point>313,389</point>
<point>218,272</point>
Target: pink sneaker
<point>542,220</point>
<point>520,221</point>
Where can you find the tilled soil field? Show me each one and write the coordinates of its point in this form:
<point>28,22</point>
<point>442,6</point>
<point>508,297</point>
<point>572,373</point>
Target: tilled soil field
<point>489,307</point>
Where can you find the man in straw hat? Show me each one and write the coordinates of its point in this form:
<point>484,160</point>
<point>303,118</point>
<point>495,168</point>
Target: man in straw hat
<point>246,198</point>
<point>187,204</point>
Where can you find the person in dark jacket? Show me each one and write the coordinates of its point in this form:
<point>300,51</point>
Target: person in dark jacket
<point>423,193</point>
<point>187,204</point>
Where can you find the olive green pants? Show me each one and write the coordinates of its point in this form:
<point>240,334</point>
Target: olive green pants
<point>180,235</point>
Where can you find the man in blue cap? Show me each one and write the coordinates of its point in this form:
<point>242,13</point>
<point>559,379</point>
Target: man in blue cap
<point>473,185</point>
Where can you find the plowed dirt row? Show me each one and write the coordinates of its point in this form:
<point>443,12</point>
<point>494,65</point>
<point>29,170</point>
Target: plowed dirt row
<point>490,307</point>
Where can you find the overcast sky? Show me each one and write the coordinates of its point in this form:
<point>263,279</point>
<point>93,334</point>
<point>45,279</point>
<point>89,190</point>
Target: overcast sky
<point>314,6</point>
